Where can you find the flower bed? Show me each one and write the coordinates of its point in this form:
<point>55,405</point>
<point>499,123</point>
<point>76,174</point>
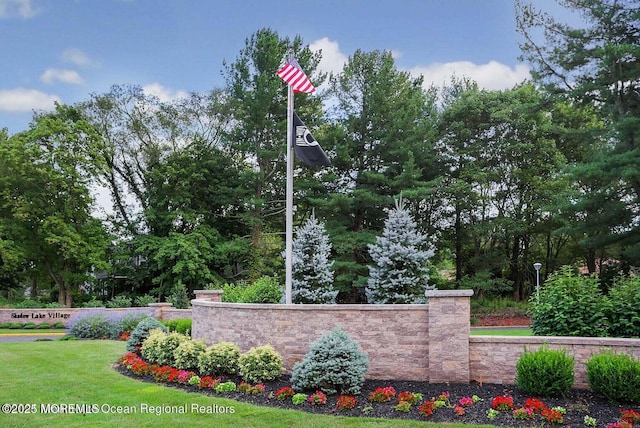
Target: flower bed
<point>499,405</point>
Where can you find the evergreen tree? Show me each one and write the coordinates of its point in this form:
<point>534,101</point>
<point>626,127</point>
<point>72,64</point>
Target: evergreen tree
<point>312,280</point>
<point>400,255</point>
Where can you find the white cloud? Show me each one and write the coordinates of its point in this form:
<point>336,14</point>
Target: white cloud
<point>332,59</point>
<point>52,75</point>
<point>491,76</point>
<point>164,94</point>
<point>25,100</point>
<point>77,57</point>
<point>21,8</point>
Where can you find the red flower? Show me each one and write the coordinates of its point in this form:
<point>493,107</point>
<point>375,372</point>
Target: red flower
<point>427,408</point>
<point>534,404</point>
<point>502,402</point>
<point>318,397</point>
<point>284,393</point>
<point>346,402</point>
<point>381,395</point>
<point>630,416</point>
<point>553,416</point>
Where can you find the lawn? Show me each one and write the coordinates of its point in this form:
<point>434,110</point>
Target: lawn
<point>38,331</point>
<point>44,376</point>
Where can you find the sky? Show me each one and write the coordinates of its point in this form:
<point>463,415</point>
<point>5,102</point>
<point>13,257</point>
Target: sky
<point>65,50</point>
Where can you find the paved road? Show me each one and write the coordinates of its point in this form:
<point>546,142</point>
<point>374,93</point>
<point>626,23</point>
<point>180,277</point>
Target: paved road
<point>28,337</point>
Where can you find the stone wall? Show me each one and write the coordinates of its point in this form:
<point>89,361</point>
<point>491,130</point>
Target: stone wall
<point>395,337</point>
<point>163,311</point>
<point>409,342</point>
<point>493,358</point>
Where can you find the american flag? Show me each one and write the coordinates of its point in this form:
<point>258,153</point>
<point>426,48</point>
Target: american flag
<point>291,73</point>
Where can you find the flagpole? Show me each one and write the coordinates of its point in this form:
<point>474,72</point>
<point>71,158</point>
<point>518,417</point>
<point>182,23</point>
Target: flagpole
<point>289,199</point>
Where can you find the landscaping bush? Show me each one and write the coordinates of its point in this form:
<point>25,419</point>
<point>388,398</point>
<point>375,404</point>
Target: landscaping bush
<point>15,325</point>
<point>5,325</point>
<point>545,372</point>
<point>188,353</point>
<point>90,326</point>
<point>29,326</point>
<point>141,332</point>
<point>128,322</point>
<point>219,358</point>
<point>264,290</point>
<point>29,304</point>
<point>59,324</point>
<point>569,305</point>
<point>615,376</point>
<point>93,303</point>
<point>623,311</point>
<point>334,364</point>
<point>143,301</point>
<point>180,325</point>
<point>120,301</point>
<point>260,364</point>
<point>44,326</point>
<point>159,347</point>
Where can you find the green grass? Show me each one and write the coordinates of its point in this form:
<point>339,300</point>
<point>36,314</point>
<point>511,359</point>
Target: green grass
<point>31,331</point>
<point>480,331</point>
<point>80,372</point>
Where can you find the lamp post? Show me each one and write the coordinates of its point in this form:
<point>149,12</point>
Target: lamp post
<point>537,267</point>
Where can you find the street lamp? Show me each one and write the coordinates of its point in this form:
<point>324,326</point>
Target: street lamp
<point>537,267</point>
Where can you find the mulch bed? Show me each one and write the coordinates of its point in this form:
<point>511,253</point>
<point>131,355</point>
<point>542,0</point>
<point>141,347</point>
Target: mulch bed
<point>578,403</point>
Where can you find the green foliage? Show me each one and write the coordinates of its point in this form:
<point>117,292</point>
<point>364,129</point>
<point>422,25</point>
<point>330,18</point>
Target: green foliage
<point>225,387</point>
<point>260,364</point>
<point>545,372</point>
<point>94,326</point>
<point>615,376</point>
<point>298,398</point>
<point>264,290</point>
<point>569,305</point>
<point>179,297</point>
<point>143,301</point>
<point>120,301</point>
<point>44,326</point>
<point>29,326</point>
<point>334,364</point>
<point>219,358</point>
<point>141,332</point>
<point>28,304</point>
<point>188,354</point>
<point>93,303</point>
<point>59,324</point>
<point>624,308</point>
<point>180,325</point>
<point>484,284</point>
<point>159,347</point>
<point>129,322</point>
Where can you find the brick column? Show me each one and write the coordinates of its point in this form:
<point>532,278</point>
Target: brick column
<point>209,295</point>
<point>158,308</point>
<point>449,329</point>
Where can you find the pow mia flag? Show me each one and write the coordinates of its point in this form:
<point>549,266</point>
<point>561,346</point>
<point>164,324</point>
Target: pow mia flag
<point>305,146</point>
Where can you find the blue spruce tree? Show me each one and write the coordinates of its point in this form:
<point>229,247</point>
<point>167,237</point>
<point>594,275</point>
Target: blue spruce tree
<point>312,277</point>
<point>400,255</point>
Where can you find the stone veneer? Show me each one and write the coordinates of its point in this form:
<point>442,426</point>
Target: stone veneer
<point>493,358</point>
<point>395,337</point>
<point>409,342</point>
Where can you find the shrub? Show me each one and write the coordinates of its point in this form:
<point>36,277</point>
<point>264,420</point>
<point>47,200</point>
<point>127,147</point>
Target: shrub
<point>141,332</point>
<point>615,376</point>
<point>15,325</point>
<point>545,372</point>
<point>93,326</point>
<point>188,353</point>
<point>220,358</point>
<point>29,304</point>
<point>143,301</point>
<point>5,325</point>
<point>159,347</point>
<point>93,303</point>
<point>260,364</point>
<point>623,314</point>
<point>334,364</point>
<point>29,326</point>
<point>569,305</point>
<point>120,301</point>
<point>264,290</point>
<point>44,326</point>
<point>179,296</point>
<point>180,325</point>
<point>59,324</point>
<point>128,322</point>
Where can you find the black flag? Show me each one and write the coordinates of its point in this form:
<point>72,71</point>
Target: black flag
<point>306,147</point>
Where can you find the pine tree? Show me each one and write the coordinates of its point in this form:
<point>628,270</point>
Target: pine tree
<point>312,277</point>
<point>400,255</point>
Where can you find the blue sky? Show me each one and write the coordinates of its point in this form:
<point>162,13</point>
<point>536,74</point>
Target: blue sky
<point>65,50</point>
